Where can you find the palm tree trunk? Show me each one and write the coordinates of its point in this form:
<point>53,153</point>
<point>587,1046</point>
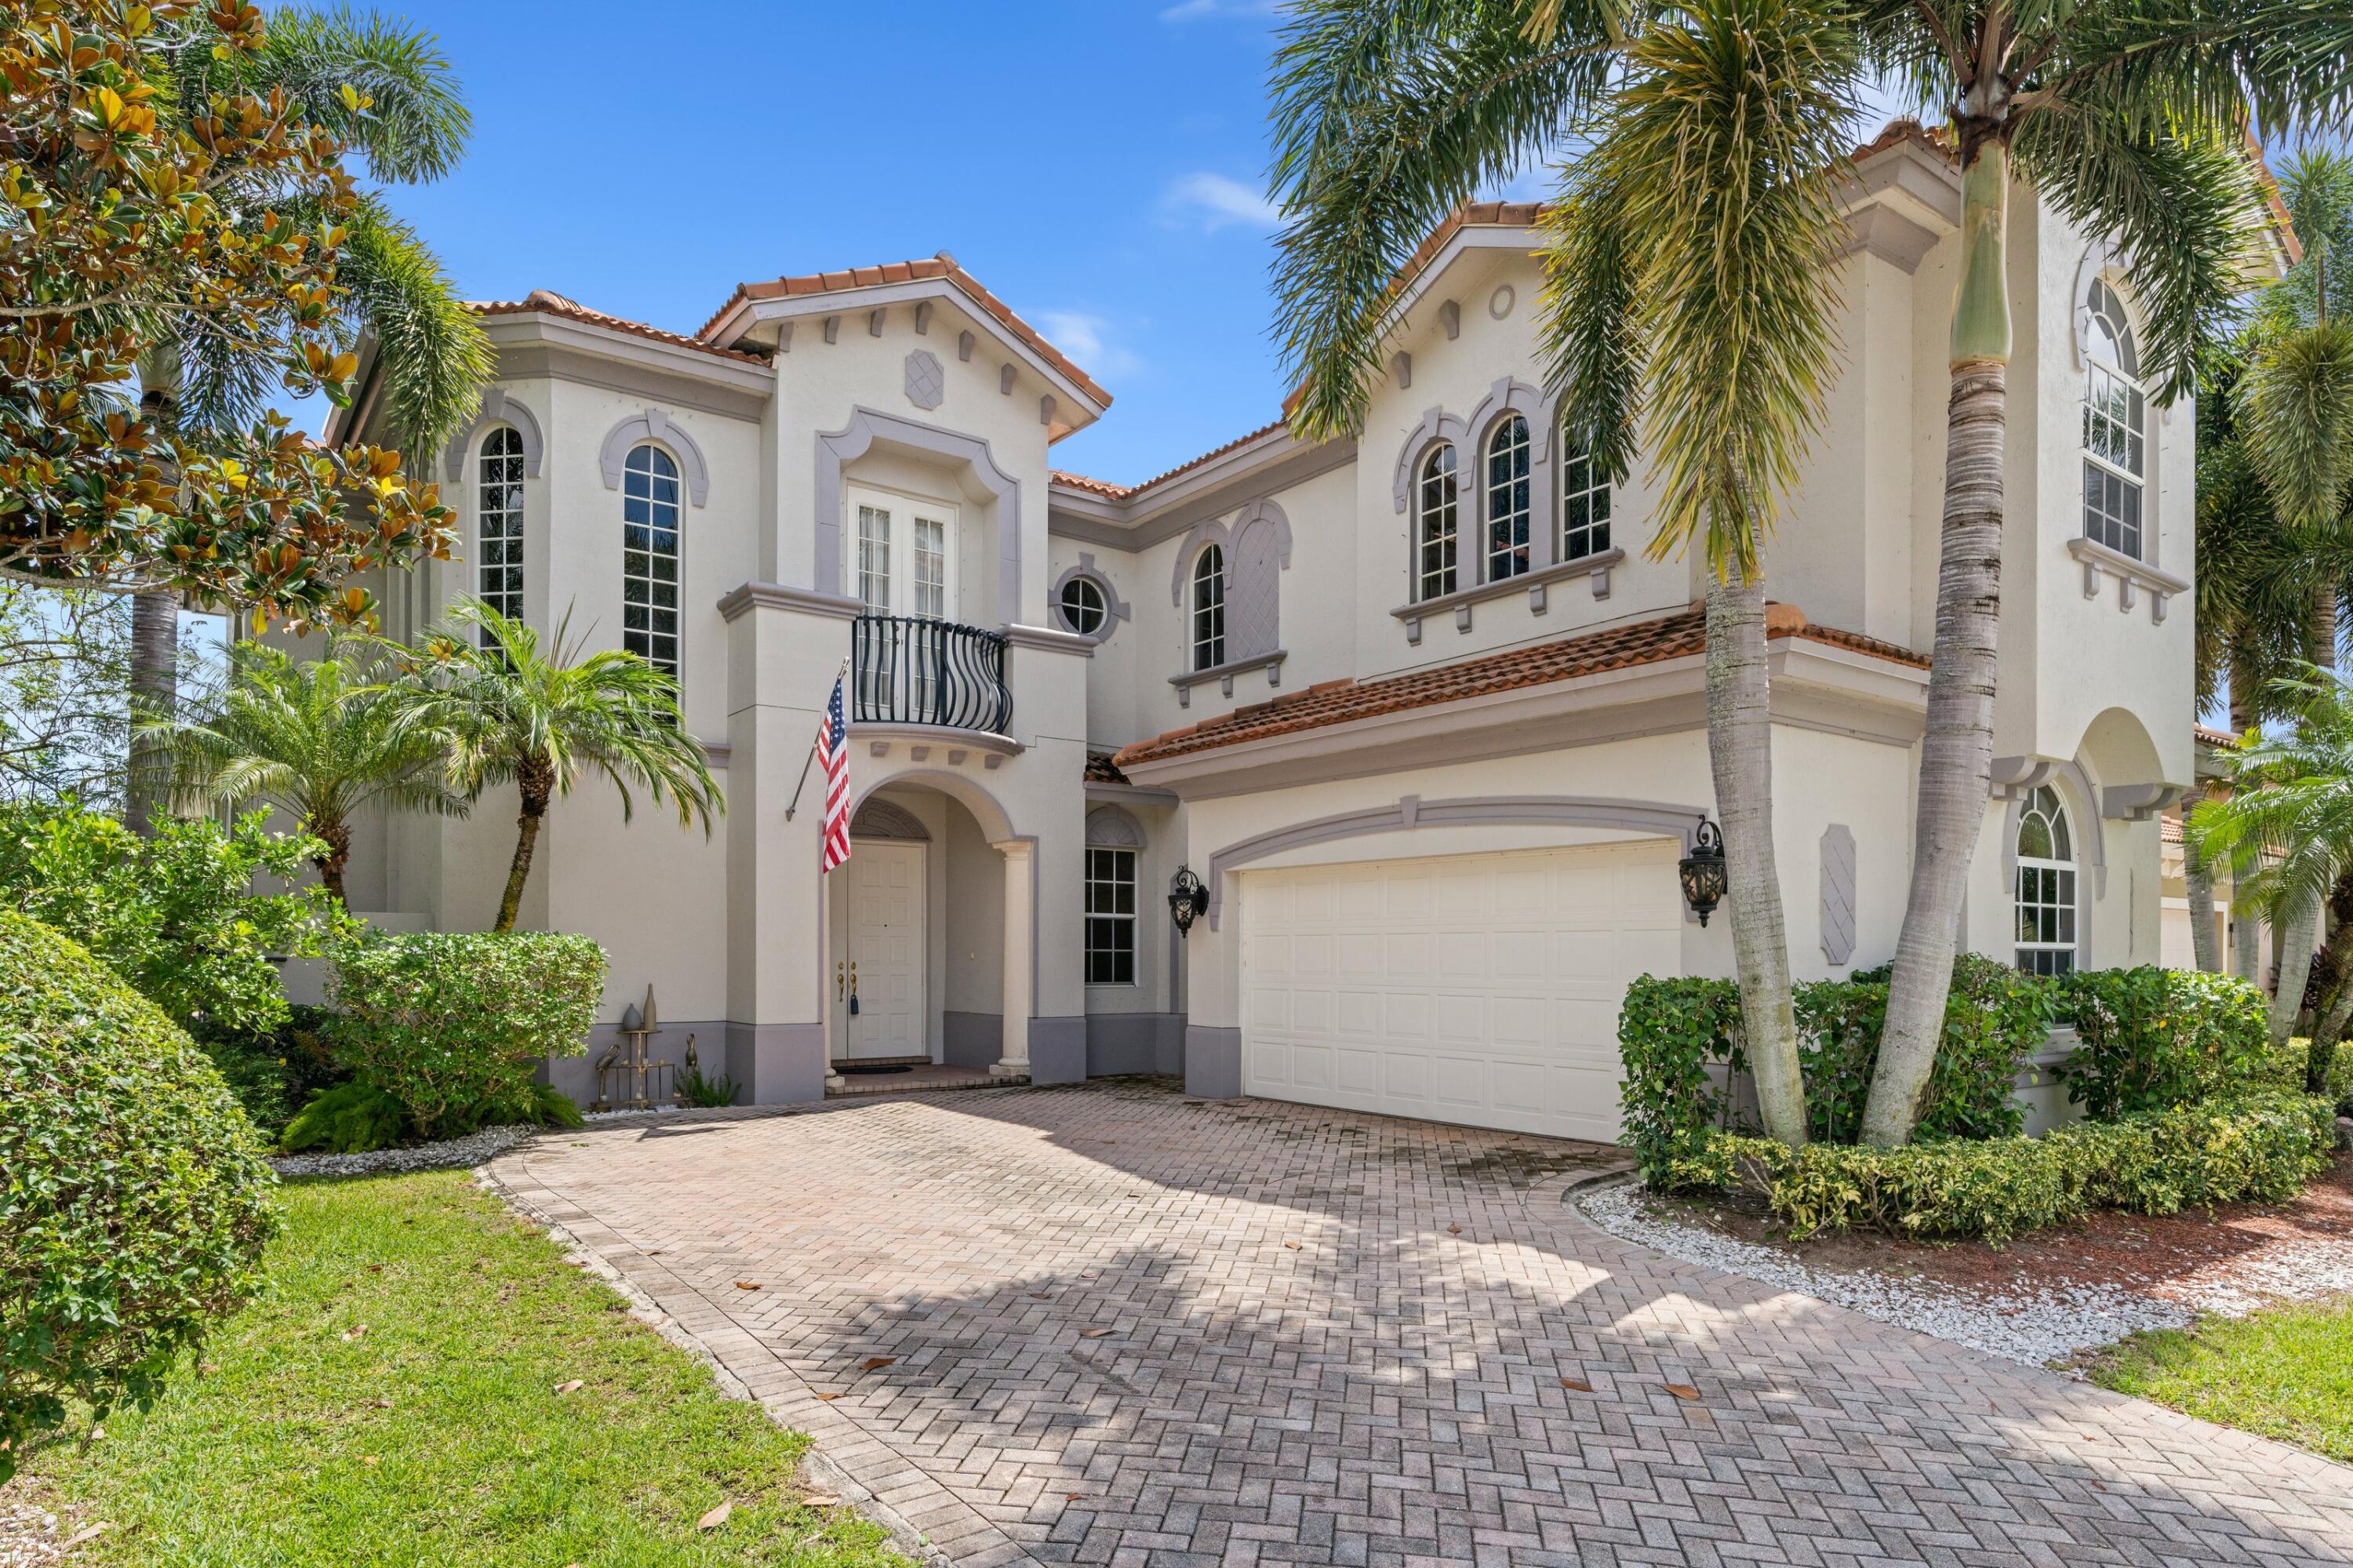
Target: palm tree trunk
<point>154,692</point>
<point>1739,749</point>
<point>2301,923</point>
<point>536,781</point>
<point>1957,748</point>
<point>337,837</point>
<point>2205,943</point>
<point>2246,920</point>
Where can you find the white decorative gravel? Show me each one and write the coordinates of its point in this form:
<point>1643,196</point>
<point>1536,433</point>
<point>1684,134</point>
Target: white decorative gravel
<point>2023,1324</point>
<point>473,1149</point>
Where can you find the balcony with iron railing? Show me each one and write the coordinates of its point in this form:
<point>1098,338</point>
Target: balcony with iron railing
<point>911,670</point>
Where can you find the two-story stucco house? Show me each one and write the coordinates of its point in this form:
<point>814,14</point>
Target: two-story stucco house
<point>1418,708</point>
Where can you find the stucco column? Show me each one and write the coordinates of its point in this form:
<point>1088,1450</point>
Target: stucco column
<point>1020,947</point>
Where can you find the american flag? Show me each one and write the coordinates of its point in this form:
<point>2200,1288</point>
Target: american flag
<point>833,750</point>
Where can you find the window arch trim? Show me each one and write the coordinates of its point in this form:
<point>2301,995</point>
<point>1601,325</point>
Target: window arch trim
<point>497,408</point>
<point>655,427</point>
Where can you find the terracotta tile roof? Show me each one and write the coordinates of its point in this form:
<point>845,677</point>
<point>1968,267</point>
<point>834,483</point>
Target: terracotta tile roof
<point>546,301</point>
<point>2168,828</point>
<point>1101,769</point>
<point>2205,737</point>
<point>1675,636</point>
<point>1122,492</point>
<point>940,266</point>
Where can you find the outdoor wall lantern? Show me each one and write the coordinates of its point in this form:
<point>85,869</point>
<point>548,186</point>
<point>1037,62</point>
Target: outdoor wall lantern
<point>1188,899</point>
<point>1702,871</point>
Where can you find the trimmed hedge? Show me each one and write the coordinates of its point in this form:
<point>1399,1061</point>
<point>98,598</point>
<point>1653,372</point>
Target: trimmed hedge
<point>452,1023</point>
<point>2154,1038</point>
<point>2263,1145</point>
<point>135,1197</point>
<point>1671,1031</point>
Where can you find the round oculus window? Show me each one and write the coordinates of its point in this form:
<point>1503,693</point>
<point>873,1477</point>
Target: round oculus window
<point>1083,606</point>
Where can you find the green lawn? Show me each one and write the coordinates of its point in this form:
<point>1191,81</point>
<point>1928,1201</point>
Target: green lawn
<point>2286,1373</point>
<point>392,1400</point>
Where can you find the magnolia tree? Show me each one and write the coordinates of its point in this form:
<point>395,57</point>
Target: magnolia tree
<point>122,228</point>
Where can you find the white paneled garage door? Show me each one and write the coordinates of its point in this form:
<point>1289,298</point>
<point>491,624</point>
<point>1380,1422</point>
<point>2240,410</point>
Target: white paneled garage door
<point>1482,990</point>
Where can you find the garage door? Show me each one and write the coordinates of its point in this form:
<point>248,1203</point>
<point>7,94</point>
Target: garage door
<point>1482,990</point>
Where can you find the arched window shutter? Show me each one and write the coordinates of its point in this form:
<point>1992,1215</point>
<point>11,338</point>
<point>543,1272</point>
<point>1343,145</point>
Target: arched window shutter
<point>1253,596</point>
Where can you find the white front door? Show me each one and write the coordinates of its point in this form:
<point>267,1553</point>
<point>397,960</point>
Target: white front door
<point>888,953</point>
<point>1482,990</point>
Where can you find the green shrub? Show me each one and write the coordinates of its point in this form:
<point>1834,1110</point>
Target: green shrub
<point>350,1118</point>
<point>274,1074</point>
<point>1671,1031</point>
<point>135,1197</point>
<point>2265,1145</point>
<point>175,915</point>
<point>2156,1037</point>
<point>449,1022</point>
<point>706,1093</point>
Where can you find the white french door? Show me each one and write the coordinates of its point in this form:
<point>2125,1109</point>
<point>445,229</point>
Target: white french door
<point>904,563</point>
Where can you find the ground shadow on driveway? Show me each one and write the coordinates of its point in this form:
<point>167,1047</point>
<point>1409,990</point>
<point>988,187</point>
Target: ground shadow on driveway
<point>1109,1323</point>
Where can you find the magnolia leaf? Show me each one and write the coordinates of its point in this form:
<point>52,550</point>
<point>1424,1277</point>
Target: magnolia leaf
<point>1578,1383</point>
<point>1683,1391</point>
<point>872,1362</point>
<point>715,1518</point>
<point>570,1387</point>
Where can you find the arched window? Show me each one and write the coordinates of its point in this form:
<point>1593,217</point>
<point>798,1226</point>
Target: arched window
<point>649,556</point>
<point>1507,500</point>
<point>1434,525</point>
<point>1210,609</point>
<point>1584,501</point>
<point>2046,887</point>
<point>2114,456</point>
<point>497,506</point>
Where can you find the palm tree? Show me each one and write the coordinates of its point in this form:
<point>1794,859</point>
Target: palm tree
<point>2295,417</point>
<point>319,739</point>
<point>386,91</point>
<point>2287,829</point>
<point>508,709</point>
<point>1686,295</point>
<point>2127,119</point>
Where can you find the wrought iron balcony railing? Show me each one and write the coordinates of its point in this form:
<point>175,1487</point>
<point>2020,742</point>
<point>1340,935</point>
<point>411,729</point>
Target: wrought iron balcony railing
<point>908,669</point>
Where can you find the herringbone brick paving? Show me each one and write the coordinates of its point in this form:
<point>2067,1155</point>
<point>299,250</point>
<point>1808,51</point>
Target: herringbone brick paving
<point>1110,1325</point>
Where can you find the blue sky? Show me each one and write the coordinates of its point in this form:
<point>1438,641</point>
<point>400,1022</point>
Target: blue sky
<point>1099,167</point>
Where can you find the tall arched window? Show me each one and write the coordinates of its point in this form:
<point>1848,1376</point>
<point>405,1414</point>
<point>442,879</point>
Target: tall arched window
<point>2046,887</point>
<point>2113,458</point>
<point>1210,609</point>
<point>1508,503</point>
<point>1434,525</point>
<point>649,518</point>
<point>497,506</point>
<point>1584,499</point>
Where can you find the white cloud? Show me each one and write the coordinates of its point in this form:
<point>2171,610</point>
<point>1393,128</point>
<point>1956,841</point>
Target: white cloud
<point>1216,202</point>
<point>1090,340</point>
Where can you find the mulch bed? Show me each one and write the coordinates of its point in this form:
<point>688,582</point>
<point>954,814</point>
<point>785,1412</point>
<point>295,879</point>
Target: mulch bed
<point>2201,1259</point>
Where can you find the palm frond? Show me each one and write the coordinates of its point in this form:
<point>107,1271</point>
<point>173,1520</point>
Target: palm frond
<point>2296,416</point>
<point>2184,206</point>
<point>1724,150</point>
<point>1594,347</point>
<point>1389,115</point>
<point>414,123</point>
<point>2214,65</point>
<point>436,358</point>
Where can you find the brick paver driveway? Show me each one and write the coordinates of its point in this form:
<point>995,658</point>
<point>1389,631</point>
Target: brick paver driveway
<point>1110,1325</point>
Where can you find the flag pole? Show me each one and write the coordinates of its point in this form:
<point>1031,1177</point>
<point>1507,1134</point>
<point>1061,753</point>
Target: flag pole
<point>812,750</point>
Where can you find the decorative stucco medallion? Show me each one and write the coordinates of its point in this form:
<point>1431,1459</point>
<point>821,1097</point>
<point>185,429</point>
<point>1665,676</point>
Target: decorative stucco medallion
<point>927,384</point>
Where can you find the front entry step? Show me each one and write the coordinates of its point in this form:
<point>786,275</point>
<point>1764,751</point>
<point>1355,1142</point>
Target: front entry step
<point>925,1077</point>
<point>881,1065</point>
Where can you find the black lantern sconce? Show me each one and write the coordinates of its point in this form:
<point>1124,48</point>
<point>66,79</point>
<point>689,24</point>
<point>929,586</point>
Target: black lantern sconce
<point>1188,899</point>
<point>1702,871</point>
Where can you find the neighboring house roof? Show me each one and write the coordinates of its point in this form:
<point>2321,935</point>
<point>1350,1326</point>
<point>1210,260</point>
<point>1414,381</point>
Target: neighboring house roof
<point>942,266</point>
<point>1678,635</point>
<point>2168,828</point>
<point>2205,737</point>
<point>546,301</point>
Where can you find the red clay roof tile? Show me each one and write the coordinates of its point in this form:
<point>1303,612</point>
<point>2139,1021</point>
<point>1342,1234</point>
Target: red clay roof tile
<point>549,302</point>
<point>1677,635</point>
<point>940,266</point>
